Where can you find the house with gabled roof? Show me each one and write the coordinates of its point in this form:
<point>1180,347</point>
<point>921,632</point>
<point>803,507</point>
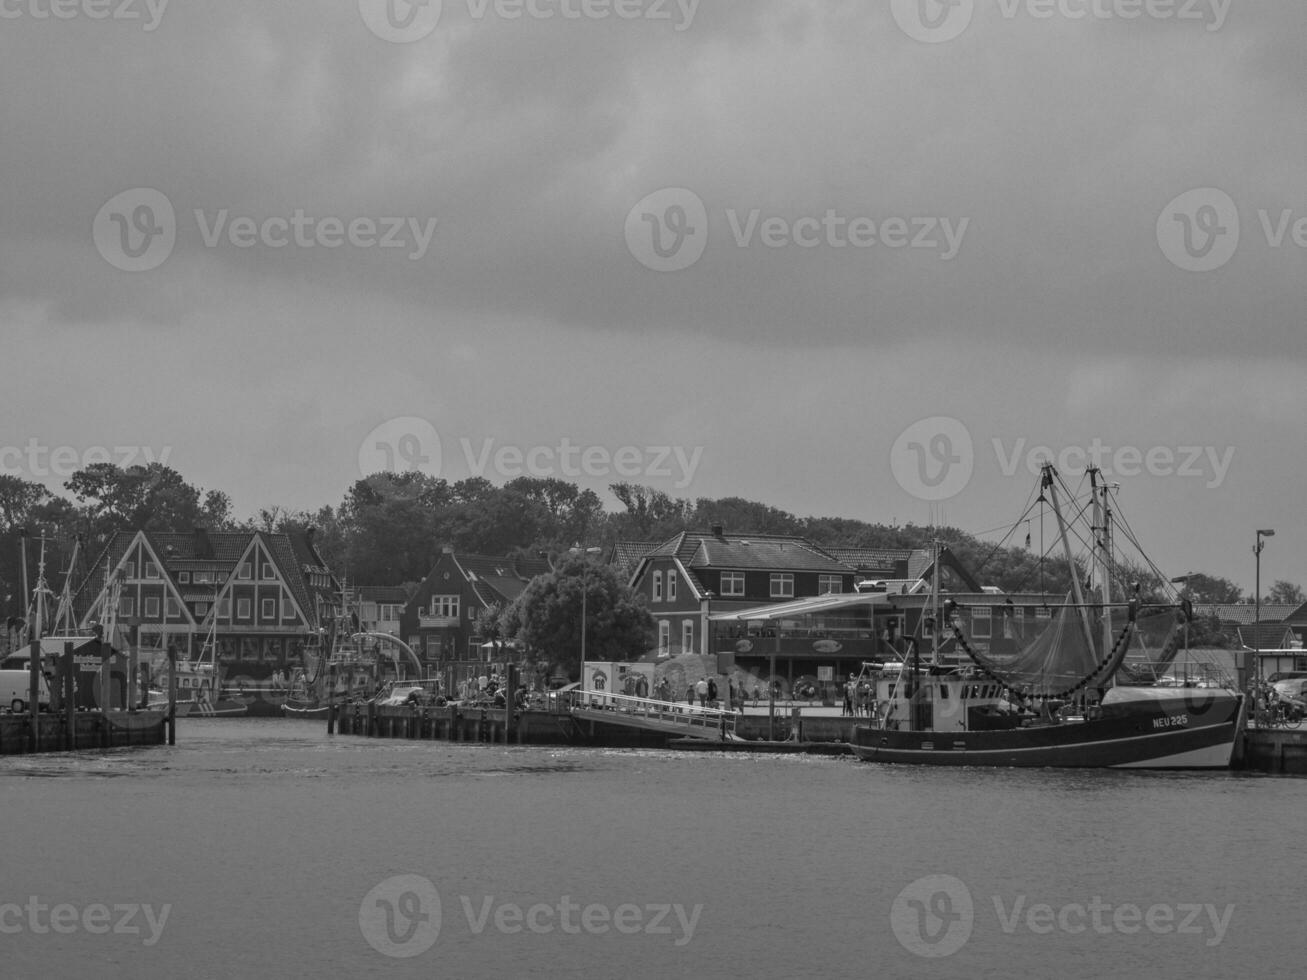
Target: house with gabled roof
<point>261,595</point>
<point>697,573</point>
<point>440,620</point>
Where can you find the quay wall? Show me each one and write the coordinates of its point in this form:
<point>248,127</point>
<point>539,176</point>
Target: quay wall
<point>89,730</point>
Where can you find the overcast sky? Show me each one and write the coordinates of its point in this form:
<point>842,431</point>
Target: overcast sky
<point>848,258</point>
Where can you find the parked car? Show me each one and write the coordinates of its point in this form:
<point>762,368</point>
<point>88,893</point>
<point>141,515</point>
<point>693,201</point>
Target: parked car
<point>1294,688</point>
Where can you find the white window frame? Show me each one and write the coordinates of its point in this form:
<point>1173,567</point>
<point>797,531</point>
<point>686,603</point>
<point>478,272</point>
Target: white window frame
<point>657,586</point>
<point>782,585</point>
<point>151,607</point>
<point>982,624</point>
<point>830,585</point>
<point>736,587</point>
<point>172,608</point>
<point>687,636</point>
<point>265,571</point>
<point>671,585</point>
<point>245,572</point>
<point>268,610</point>
<point>664,637</point>
<point>151,570</point>
<point>243,609</point>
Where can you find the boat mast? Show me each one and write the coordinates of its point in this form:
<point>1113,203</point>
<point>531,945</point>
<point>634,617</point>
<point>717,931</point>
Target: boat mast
<point>1103,528</point>
<point>1048,483</point>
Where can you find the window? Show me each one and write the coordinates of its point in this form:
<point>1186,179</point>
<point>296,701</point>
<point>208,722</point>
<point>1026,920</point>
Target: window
<point>172,607</point>
<point>130,569</point>
<point>201,609</point>
<point>184,578</point>
<point>224,607</point>
<point>126,606</point>
<point>242,608</point>
<point>287,607</point>
<point>664,637</point>
<point>1043,612</point>
<point>671,586</point>
<point>269,609</point>
<point>445,606</point>
<point>152,607</point>
<point>732,583</point>
<point>244,572</point>
<point>782,585</point>
<point>151,570</point>
<point>980,624</point>
<point>687,636</point>
<point>827,584</point>
<point>265,571</point>
<point>657,586</point>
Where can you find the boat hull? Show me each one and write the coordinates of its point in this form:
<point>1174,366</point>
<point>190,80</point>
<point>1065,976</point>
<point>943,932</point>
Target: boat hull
<point>1149,734</point>
<point>316,713</point>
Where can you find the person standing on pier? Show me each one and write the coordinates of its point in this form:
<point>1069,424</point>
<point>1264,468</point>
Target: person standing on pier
<point>701,689</point>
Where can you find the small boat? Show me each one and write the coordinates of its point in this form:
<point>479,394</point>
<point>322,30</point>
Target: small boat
<point>310,710</point>
<point>1070,690</point>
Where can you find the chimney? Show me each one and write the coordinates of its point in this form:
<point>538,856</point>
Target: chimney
<point>718,530</point>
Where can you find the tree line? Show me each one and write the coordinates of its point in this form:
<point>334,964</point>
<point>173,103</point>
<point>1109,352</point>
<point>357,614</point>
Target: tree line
<point>389,528</point>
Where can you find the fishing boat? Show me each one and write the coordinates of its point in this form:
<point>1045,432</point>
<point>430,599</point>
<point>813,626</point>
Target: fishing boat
<point>199,684</point>
<point>1074,688</point>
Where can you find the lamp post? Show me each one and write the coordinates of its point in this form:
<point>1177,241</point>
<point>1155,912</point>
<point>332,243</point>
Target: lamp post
<point>585,584</point>
<point>1254,673</point>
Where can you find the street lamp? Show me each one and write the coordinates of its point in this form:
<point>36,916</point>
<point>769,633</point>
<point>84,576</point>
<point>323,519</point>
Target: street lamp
<point>1257,601</point>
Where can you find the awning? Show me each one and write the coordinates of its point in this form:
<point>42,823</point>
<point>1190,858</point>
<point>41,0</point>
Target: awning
<point>802,607</point>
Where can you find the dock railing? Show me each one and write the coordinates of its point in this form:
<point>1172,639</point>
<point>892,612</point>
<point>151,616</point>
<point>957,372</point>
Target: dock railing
<point>693,717</point>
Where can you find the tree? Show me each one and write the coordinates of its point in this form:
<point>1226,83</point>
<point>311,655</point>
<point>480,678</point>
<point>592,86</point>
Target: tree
<point>1200,587</point>
<point>19,501</point>
<point>1286,592</point>
<point>547,617</point>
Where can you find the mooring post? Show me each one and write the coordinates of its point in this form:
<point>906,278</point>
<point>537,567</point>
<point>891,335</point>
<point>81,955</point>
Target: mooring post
<point>70,697</point>
<point>172,694</point>
<point>133,669</point>
<point>34,690</point>
<point>331,701</point>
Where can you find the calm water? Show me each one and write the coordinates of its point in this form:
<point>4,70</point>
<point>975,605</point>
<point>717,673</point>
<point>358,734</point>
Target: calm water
<point>275,851</point>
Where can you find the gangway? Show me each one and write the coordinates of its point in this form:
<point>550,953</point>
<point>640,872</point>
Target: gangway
<point>672,718</point>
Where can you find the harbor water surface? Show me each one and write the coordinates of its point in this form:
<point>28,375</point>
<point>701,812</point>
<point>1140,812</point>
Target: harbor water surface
<point>266,848</point>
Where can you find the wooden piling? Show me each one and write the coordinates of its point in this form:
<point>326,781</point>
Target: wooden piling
<point>70,697</point>
<point>172,694</point>
<point>34,688</point>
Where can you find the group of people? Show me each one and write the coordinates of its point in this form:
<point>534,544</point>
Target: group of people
<point>859,698</point>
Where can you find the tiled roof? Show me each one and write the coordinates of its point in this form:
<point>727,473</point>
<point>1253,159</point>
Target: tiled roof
<point>1241,612</point>
<point>702,549</point>
<point>1266,636</point>
<point>181,551</point>
<point>891,563</point>
<point>626,555</point>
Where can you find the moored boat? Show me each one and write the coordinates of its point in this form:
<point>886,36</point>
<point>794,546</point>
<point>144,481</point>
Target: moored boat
<point>1074,692</point>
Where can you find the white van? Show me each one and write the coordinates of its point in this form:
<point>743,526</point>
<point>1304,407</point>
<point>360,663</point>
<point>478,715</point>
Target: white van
<point>15,686</point>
